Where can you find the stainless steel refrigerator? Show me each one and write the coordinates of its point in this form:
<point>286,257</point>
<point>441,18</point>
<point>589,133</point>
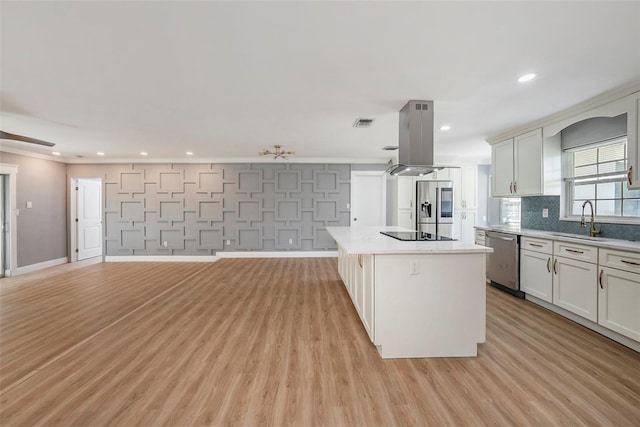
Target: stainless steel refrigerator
<point>434,207</point>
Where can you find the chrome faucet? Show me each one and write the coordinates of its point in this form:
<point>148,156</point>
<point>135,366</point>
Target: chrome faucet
<point>593,232</point>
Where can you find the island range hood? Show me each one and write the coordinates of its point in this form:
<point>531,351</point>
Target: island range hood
<point>415,146</point>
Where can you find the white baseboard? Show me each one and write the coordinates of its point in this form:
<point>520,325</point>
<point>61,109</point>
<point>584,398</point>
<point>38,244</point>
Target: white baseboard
<point>628,342</point>
<point>39,266</point>
<point>279,254</point>
<point>161,258</point>
<point>219,255</point>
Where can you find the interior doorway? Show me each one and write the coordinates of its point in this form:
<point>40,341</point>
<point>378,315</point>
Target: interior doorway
<point>368,197</point>
<point>86,218</point>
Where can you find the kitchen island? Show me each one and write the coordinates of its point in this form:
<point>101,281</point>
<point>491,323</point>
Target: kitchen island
<point>415,299</point>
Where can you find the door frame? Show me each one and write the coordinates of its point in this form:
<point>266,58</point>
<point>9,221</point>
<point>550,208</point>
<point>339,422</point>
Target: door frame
<point>73,210</point>
<point>383,193</point>
<point>11,242</point>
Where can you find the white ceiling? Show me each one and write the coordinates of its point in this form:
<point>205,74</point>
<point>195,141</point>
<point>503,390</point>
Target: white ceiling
<point>226,80</point>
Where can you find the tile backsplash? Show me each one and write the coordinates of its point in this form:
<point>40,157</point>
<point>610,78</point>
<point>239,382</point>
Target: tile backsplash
<point>531,217</point>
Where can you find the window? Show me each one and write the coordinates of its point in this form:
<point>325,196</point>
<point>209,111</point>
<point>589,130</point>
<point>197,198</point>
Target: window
<point>510,211</point>
<point>598,172</point>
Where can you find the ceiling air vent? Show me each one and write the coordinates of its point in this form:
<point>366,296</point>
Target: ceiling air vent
<point>390,147</point>
<point>362,123</point>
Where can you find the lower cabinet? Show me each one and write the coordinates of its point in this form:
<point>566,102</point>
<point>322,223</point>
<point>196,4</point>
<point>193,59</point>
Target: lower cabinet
<point>536,277</point>
<point>362,289</point>
<point>619,301</point>
<point>575,287</point>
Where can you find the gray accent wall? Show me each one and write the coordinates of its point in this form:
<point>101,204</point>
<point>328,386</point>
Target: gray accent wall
<point>41,231</point>
<point>197,208</point>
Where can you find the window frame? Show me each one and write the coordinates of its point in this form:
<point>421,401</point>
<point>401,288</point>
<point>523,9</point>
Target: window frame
<point>567,196</point>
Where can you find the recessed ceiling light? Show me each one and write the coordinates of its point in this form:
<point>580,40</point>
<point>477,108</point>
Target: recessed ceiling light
<point>527,77</point>
<point>445,128</point>
<point>55,153</point>
<point>189,153</point>
<point>143,153</point>
<point>100,153</point>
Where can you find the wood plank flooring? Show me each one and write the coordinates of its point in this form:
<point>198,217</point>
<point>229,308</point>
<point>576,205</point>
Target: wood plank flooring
<point>277,342</point>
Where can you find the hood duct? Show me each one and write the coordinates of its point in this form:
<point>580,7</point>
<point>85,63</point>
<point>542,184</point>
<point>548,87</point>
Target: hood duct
<point>415,153</point>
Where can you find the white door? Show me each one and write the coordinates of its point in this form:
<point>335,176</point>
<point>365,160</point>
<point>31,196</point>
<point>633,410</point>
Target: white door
<point>575,287</point>
<point>368,199</point>
<point>535,275</point>
<point>527,174</point>
<point>89,218</point>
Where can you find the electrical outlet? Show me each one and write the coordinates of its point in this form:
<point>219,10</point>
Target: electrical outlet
<point>228,242</point>
<point>545,213</point>
<point>165,244</point>
<point>29,204</point>
<point>414,268</point>
<point>348,206</point>
<point>291,241</point>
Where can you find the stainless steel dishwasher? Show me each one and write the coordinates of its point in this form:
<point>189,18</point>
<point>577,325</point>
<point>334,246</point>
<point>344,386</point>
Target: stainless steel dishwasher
<point>503,265</point>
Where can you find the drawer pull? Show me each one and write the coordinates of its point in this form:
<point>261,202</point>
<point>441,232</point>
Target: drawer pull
<point>574,251</point>
<point>555,266</point>
<point>629,174</point>
<point>535,245</point>
<point>600,279</point>
<point>548,262</point>
<point>629,262</point>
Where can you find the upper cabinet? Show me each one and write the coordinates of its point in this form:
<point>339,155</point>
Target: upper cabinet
<point>633,140</point>
<point>519,165</point>
<point>465,186</point>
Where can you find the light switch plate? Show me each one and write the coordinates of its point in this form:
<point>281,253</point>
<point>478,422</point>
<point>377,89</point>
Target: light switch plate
<point>29,204</point>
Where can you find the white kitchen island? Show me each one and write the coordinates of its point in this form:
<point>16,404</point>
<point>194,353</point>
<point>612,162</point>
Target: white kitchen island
<point>415,299</point>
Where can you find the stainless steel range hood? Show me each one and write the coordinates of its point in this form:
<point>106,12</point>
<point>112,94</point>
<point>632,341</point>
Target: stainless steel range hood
<point>415,147</point>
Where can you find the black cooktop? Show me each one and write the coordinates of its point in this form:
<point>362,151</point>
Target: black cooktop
<point>416,236</point>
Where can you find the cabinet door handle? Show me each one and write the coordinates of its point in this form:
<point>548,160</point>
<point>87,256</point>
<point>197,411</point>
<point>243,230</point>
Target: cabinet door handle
<point>600,279</point>
<point>629,174</point>
<point>548,264</point>
<point>360,260</point>
<point>515,187</point>
<point>555,266</point>
<point>511,188</point>
<point>629,262</point>
<point>574,251</point>
<point>535,245</point>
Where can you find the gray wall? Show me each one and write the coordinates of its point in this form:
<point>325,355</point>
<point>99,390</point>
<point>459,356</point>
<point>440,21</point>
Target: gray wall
<point>41,232</point>
<point>196,208</point>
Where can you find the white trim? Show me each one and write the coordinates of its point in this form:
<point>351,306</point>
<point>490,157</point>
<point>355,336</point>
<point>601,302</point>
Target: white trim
<point>279,254</point>
<point>634,345</point>
<point>41,265</point>
<point>12,237</point>
<point>220,255</point>
<point>161,258</point>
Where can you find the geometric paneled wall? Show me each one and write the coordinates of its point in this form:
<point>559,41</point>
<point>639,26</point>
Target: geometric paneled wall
<point>201,209</point>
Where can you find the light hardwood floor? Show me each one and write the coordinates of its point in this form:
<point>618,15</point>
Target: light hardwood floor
<point>277,342</point>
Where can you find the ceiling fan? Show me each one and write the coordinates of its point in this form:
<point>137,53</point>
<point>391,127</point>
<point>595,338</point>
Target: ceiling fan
<point>14,137</point>
<point>277,153</point>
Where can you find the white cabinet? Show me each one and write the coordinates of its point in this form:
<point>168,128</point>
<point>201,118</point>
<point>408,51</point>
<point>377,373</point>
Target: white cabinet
<point>463,227</point>
<point>465,186</point>
<point>520,165</point>
<point>406,192</point>
<point>404,203</point>
<point>633,139</point>
<point>536,277</point>
<point>619,292</point>
<point>357,272</point>
<point>502,168</point>
<point>575,283</point>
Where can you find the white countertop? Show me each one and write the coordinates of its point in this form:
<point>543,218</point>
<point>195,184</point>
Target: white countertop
<point>600,242</point>
<point>368,240</point>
